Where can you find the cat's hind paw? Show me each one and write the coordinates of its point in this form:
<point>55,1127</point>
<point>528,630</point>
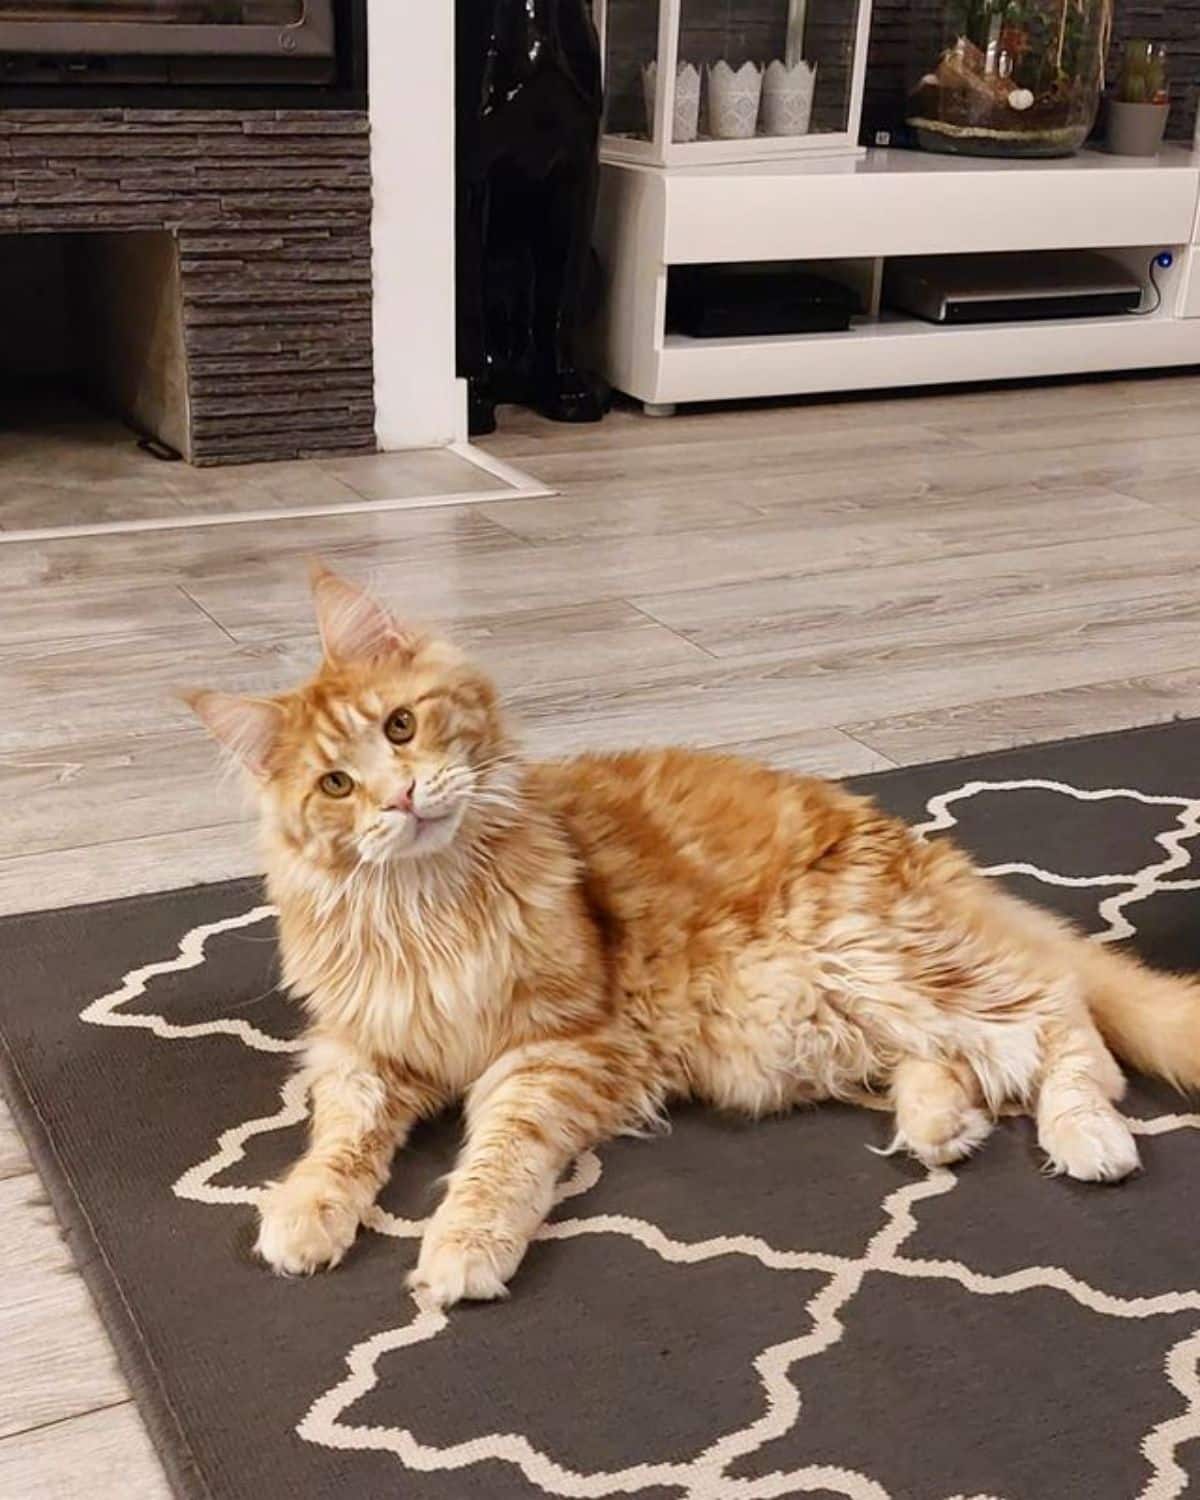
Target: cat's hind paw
<point>952,1137</point>
<point>1092,1144</point>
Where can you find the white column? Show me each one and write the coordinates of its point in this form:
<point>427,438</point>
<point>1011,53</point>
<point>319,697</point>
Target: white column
<point>418,400</point>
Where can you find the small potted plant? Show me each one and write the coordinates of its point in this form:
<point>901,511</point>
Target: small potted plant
<point>1137,117</point>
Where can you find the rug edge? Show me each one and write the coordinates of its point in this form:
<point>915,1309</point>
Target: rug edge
<point>251,882</point>
<point>138,1368</point>
<point>857,780</point>
<point>1094,736</point>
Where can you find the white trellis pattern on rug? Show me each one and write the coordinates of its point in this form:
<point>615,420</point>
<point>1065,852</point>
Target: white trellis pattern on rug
<point>705,1476</point>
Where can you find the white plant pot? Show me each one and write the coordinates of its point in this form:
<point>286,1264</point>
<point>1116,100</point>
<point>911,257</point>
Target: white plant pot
<point>685,123</point>
<point>787,98</point>
<point>733,100</point>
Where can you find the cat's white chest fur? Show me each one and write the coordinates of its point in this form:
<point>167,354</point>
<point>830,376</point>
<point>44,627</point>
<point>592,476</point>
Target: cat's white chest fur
<point>436,1014</point>
<point>406,987</point>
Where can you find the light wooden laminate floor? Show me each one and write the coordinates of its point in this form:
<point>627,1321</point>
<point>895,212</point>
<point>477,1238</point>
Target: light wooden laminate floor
<point>836,587</point>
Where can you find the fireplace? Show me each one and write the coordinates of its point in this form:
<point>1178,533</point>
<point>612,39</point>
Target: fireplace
<point>215,270</point>
<point>165,41</point>
<point>317,306</point>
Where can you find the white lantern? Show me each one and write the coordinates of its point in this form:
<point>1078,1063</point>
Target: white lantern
<point>689,82</point>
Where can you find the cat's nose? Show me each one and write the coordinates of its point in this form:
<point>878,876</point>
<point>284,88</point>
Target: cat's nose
<point>403,800</point>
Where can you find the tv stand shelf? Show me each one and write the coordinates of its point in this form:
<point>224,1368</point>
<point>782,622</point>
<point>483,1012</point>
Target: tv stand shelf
<point>854,214</point>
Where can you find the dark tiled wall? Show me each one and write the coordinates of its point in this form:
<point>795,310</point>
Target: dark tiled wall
<point>272,212</point>
<point>1176,22</point>
<point>737,29</point>
<point>734,30</point>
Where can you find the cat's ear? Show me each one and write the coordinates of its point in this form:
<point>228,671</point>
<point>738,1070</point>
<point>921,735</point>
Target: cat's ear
<point>354,626</point>
<point>249,727</point>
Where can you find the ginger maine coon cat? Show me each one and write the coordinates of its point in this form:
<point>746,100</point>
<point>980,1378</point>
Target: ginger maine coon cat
<point>569,947</point>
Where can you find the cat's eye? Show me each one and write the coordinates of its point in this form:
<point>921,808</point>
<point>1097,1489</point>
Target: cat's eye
<point>400,726</point>
<point>336,784</point>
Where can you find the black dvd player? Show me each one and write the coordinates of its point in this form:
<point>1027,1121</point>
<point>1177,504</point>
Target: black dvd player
<point>756,300</point>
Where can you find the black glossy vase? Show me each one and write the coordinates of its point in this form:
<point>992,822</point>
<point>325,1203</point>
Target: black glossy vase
<point>529,110</point>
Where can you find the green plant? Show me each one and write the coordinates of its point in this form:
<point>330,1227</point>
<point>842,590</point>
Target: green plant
<point>975,19</point>
<point>1049,41</point>
<point>1144,74</point>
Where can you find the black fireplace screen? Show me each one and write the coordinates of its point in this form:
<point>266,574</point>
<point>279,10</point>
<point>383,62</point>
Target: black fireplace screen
<point>214,28</point>
<point>159,12</point>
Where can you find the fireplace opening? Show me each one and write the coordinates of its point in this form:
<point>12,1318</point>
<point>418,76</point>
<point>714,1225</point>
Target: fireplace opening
<point>94,339</point>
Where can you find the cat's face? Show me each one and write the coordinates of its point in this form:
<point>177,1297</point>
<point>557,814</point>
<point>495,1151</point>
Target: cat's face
<point>381,762</point>
<point>385,754</point>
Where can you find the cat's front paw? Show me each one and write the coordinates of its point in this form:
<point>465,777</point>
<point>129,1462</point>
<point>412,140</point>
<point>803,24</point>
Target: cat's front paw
<point>304,1226</point>
<point>464,1263</point>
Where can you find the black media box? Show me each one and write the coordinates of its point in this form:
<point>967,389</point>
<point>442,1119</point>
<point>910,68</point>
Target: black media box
<point>755,301</point>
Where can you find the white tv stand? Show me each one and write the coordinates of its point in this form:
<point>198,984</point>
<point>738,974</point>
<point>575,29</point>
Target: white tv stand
<point>851,214</point>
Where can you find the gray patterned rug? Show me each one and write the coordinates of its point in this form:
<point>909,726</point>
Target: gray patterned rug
<point>728,1313</point>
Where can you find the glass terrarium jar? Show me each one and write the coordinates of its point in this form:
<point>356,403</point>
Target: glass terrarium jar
<point>689,81</point>
<point>1007,77</point>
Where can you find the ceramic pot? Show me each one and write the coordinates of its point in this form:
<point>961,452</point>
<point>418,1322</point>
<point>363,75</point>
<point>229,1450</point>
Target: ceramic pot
<point>787,98</point>
<point>1136,129</point>
<point>685,124</point>
<point>733,100</point>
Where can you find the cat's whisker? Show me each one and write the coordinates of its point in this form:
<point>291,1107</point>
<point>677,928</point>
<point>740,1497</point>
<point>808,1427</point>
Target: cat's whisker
<point>495,795</point>
<point>501,758</point>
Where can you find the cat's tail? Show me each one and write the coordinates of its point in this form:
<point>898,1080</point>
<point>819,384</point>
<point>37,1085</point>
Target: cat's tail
<point>1151,1020</point>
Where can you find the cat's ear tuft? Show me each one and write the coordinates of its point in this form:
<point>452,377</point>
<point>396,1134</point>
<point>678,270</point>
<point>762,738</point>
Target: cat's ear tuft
<point>354,626</point>
<point>249,727</point>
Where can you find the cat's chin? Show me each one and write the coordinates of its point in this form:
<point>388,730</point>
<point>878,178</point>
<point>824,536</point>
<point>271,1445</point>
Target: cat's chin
<point>416,840</point>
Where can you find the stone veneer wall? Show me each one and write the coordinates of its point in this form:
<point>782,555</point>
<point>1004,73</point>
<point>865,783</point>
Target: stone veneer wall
<point>1175,22</point>
<point>272,214</point>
